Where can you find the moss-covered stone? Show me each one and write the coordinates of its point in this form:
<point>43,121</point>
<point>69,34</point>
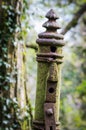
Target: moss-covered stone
<point>49,73</point>
<point>40,92</point>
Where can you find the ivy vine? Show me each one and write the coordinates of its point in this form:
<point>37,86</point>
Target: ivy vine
<point>10,112</point>
<point>9,109</point>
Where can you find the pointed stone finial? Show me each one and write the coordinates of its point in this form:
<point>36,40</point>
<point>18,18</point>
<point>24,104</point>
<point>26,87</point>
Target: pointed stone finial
<point>51,15</point>
<point>51,36</point>
<point>51,23</point>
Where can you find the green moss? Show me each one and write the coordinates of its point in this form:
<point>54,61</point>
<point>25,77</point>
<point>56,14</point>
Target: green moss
<point>41,85</point>
<point>53,72</point>
<point>44,49</point>
<point>42,76</point>
<point>24,125</point>
<point>59,51</point>
<point>58,92</point>
<point>43,72</point>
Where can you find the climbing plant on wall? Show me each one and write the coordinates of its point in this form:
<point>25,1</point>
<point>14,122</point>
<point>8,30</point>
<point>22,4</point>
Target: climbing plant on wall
<point>8,105</point>
<point>11,49</point>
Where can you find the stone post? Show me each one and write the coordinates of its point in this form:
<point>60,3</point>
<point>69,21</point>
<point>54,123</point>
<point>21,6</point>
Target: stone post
<point>49,59</point>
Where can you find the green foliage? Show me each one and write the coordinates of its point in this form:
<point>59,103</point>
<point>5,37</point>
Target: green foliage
<point>81,88</point>
<point>73,92</point>
<point>7,122</point>
<point>10,113</point>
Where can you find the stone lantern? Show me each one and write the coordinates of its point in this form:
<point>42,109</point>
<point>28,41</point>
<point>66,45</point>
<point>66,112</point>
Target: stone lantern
<point>49,59</point>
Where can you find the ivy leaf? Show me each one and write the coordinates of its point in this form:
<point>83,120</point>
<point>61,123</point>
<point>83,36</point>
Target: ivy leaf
<point>1,62</point>
<point>8,102</point>
<point>5,122</point>
<point>15,100</point>
<point>11,128</point>
<point>6,87</point>
<point>7,128</point>
<point>7,65</point>
<point>9,116</point>
<point>4,108</point>
<point>12,80</point>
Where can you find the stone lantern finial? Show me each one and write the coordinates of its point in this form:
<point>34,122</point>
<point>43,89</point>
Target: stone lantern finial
<point>50,38</point>
<point>51,24</point>
<point>51,15</point>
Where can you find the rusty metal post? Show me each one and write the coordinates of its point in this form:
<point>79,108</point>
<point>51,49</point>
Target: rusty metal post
<point>49,60</point>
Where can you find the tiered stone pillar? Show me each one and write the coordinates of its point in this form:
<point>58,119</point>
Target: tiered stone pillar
<point>49,59</point>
